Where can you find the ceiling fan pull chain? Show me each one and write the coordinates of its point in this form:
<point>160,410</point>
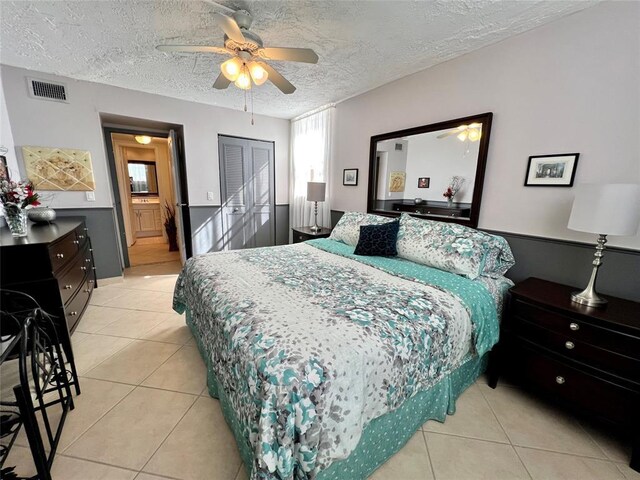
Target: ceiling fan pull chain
<point>251,106</point>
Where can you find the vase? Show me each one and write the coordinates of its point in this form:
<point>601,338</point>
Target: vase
<point>450,202</point>
<point>16,220</point>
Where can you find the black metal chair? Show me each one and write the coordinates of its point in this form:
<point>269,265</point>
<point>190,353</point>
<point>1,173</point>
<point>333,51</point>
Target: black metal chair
<point>34,379</point>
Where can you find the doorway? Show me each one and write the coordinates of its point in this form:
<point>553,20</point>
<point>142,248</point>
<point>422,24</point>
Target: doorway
<point>247,187</point>
<point>147,172</point>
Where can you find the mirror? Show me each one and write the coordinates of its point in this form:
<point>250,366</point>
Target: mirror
<point>142,177</point>
<point>434,171</point>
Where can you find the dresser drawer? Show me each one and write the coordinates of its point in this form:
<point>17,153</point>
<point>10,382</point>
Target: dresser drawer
<point>63,250</point>
<point>610,362</point>
<point>71,279</point>
<point>82,235</point>
<point>574,387</point>
<point>576,329</point>
<point>74,309</point>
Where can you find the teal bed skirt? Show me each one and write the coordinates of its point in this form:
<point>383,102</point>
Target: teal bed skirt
<point>384,436</point>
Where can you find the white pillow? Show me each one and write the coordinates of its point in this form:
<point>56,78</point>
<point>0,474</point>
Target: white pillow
<point>347,230</point>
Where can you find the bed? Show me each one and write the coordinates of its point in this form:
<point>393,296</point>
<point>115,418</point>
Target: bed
<point>326,362</point>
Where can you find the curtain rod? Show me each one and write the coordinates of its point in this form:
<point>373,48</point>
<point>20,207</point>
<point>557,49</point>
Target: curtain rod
<point>313,112</point>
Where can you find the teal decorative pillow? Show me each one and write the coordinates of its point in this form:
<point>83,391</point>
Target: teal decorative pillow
<point>378,240</point>
<point>347,230</point>
<point>454,248</point>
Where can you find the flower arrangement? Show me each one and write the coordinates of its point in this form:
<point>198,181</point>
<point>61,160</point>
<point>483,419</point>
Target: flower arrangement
<point>18,194</point>
<point>454,187</point>
<point>16,197</point>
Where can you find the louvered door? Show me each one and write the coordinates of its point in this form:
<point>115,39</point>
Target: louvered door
<point>247,188</point>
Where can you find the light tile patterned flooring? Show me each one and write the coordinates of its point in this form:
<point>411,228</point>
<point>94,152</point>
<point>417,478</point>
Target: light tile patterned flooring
<point>144,412</point>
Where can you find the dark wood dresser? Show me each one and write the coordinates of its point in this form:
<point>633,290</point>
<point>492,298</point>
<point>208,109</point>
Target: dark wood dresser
<point>54,264</point>
<point>586,358</point>
<point>426,208</point>
<point>302,234</point>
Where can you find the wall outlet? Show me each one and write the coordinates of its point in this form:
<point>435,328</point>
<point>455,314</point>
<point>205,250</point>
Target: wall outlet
<point>91,196</point>
<point>209,195</point>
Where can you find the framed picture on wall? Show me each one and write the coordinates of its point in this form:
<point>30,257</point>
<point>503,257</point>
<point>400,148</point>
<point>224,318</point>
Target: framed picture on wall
<point>556,170</point>
<point>424,182</point>
<point>350,176</point>
<point>4,170</point>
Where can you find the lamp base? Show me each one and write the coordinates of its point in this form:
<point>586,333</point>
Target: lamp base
<point>590,299</point>
<point>315,228</point>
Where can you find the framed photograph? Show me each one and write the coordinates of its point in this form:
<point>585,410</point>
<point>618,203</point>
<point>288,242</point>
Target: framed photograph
<point>424,182</point>
<point>4,170</point>
<point>350,176</point>
<point>557,170</point>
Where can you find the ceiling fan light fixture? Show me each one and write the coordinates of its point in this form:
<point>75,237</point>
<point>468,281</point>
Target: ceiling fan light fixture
<point>143,139</point>
<point>462,136</point>
<point>243,81</point>
<point>474,134</point>
<point>232,68</point>
<point>258,74</point>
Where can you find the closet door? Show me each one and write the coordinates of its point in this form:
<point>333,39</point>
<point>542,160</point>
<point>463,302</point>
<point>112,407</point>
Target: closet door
<point>247,188</point>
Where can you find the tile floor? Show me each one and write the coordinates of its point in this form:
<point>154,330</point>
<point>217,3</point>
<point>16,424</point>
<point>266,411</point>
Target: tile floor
<point>145,414</point>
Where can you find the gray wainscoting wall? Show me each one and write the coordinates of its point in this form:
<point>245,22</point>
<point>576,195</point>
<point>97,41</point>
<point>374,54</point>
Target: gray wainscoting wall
<point>101,223</point>
<point>569,263</point>
<point>206,227</point>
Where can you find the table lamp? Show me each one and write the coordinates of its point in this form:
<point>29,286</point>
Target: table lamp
<point>315,193</point>
<point>610,209</point>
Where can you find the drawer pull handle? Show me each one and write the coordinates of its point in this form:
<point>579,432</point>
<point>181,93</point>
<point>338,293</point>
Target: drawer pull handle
<point>81,236</point>
<point>73,314</point>
<point>569,345</point>
<point>88,290</point>
<point>574,326</point>
<point>90,281</point>
<point>87,260</point>
<point>68,287</point>
<point>85,229</point>
<point>84,269</point>
<point>59,255</point>
<point>560,380</point>
<point>76,242</point>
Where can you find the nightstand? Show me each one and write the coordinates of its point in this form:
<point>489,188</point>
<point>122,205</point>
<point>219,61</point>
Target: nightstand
<point>302,234</point>
<point>585,358</point>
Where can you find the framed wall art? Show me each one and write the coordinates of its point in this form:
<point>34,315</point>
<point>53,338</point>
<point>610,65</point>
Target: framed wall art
<point>557,170</point>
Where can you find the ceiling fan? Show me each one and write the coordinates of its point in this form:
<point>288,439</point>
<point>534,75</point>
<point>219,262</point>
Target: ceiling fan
<point>247,64</point>
<point>471,132</point>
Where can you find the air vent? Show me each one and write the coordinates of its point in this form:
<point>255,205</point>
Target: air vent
<point>399,146</point>
<point>56,92</point>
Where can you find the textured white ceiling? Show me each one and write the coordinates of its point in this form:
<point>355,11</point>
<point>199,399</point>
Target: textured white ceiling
<point>361,44</point>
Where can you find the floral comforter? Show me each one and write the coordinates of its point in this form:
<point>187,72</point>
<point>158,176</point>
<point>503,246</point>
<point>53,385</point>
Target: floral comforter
<point>310,343</point>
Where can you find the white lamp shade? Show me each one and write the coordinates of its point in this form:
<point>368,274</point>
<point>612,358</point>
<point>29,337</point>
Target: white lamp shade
<point>610,209</point>
<point>316,191</point>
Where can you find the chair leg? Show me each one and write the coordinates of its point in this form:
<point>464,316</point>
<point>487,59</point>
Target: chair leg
<point>68,352</point>
<point>33,434</point>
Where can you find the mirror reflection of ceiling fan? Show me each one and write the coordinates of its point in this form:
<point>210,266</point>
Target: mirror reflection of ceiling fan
<point>471,132</point>
<point>247,65</point>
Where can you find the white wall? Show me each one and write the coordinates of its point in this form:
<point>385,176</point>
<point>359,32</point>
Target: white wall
<point>392,161</point>
<point>77,125</point>
<point>440,159</point>
<point>6,137</point>
<point>570,86</point>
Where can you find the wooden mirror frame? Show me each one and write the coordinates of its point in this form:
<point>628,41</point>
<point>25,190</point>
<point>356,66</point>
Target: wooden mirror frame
<point>472,221</point>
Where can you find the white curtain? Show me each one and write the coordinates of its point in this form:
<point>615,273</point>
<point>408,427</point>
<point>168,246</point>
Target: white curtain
<point>310,159</point>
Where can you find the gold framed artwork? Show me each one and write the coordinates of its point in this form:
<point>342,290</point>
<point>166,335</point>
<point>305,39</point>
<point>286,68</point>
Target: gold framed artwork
<point>397,181</point>
<point>59,168</point>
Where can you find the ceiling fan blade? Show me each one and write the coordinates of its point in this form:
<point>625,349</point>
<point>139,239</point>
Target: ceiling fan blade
<point>194,49</point>
<point>278,80</point>
<point>230,27</point>
<point>221,82</point>
<point>290,54</point>
<point>448,134</point>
